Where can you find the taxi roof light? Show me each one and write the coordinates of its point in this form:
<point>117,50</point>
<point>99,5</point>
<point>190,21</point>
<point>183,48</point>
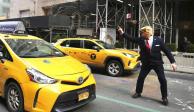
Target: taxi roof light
<point>12,27</point>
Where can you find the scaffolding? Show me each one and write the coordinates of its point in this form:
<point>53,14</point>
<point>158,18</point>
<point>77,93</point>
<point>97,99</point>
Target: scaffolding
<point>159,15</point>
<point>111,13</point>
<point>155,13</point>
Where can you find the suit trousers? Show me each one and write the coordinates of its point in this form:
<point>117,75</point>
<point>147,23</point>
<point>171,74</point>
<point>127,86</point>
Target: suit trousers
<point>145,69</point>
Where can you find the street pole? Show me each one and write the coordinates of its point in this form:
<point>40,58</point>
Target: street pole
<point>106,19</point>
<point>51,29</point>
<point>96,17</point>
<point>51,33</point>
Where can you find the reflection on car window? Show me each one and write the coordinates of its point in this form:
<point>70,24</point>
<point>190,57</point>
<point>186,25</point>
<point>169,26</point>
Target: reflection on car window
<point>5,52</point>
<point>75,43</point>
<point>105,45</point>
<point>66,43</point>
<point>31,48</point>
<point>89,45</point>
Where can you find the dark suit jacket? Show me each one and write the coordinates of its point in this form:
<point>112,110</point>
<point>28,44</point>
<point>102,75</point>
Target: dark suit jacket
<point>155,56</point>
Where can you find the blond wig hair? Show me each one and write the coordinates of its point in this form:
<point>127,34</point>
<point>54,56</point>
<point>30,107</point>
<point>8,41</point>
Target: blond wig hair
<point>147,29</point>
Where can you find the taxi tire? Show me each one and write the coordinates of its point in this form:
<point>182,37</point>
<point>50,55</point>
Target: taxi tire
<point>13,85</point>
<point>121,69</point>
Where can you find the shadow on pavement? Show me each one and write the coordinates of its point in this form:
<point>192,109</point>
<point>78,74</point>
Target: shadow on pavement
<point>2,101</point>
<point>102,71</point>
<point>152,99</point>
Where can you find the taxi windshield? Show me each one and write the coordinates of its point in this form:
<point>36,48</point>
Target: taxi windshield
<point>105,45</point>
<point>32,48</point>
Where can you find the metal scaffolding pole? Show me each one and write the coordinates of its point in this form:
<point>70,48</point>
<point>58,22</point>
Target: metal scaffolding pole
<point>153,13</point>
<point>106,19</point>
<point>165,22</point>
<point>171,20</point>
<point>140,19</point>
<point>96,16</point>
<point>110,13</point>
<point>158,14</point>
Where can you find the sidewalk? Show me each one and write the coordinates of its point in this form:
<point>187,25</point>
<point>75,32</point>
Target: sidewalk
<point>167,67</point>
<point>185,63</point>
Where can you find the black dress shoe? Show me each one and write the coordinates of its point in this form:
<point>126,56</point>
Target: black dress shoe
<point>165,101</point>
<point>136,95</point>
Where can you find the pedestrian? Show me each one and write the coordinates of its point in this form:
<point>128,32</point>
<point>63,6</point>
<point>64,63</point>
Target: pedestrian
<point>185,44</point>
<point>151,58</point>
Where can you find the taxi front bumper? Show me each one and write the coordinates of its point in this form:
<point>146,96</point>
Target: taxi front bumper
<point>69,100</point>
<point>132,64</point>
<point>57,97</point>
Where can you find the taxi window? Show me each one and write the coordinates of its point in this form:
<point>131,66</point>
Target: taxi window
<point>89,45</point>
<point>75,44</point>
<point>5,52</point>
<point>106,45</point>
<point>66,43</point>
<point>32,48</point>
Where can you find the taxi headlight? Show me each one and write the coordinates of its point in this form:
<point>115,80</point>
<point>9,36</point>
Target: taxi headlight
<point>128,55</point>
<point>39,77</point>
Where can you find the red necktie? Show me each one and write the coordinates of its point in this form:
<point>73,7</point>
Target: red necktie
<point>147,46</point>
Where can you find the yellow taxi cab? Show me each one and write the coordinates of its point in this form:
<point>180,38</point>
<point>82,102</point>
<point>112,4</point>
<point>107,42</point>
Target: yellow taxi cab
<point>37,77</point>
<point>100,54</point>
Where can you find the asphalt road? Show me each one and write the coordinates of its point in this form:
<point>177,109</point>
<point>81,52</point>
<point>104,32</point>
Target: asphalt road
<point>114,94</point>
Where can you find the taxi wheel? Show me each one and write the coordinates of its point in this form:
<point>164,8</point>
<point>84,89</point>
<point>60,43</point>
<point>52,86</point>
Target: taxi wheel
<point>114,68</point>
<point>14,98</point>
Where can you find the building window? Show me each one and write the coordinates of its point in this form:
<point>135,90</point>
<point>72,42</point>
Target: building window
<point>5,10</point>
<point>6,1</point>
<point>24,13</point>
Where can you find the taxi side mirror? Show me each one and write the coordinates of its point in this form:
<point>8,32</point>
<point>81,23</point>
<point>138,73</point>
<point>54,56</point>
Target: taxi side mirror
<point>1,57</point>
<point>96,48</point>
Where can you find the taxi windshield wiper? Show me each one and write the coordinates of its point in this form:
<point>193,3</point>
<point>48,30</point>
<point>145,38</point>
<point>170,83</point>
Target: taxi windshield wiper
<point>28,56</point>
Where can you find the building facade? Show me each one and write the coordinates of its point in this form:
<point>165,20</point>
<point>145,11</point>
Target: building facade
<point>4,9</point>
<point>22,8</point>
<point>28,8</point>
<point>83,14</point>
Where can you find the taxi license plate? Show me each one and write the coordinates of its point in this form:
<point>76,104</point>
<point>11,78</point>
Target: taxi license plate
<point>83,96</point>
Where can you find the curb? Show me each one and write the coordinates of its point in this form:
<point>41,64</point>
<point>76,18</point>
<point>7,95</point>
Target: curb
<point>178,71</point>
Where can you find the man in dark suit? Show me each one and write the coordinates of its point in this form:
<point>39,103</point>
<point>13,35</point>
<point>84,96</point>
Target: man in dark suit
<point>151,58</point>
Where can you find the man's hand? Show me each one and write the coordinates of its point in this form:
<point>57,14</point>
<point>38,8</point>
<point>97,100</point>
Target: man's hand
<point>120,30</point>
<point>174,67</point>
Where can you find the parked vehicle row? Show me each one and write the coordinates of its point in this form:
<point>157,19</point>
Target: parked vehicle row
<point>40,77</point>
<point>37,77</point>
